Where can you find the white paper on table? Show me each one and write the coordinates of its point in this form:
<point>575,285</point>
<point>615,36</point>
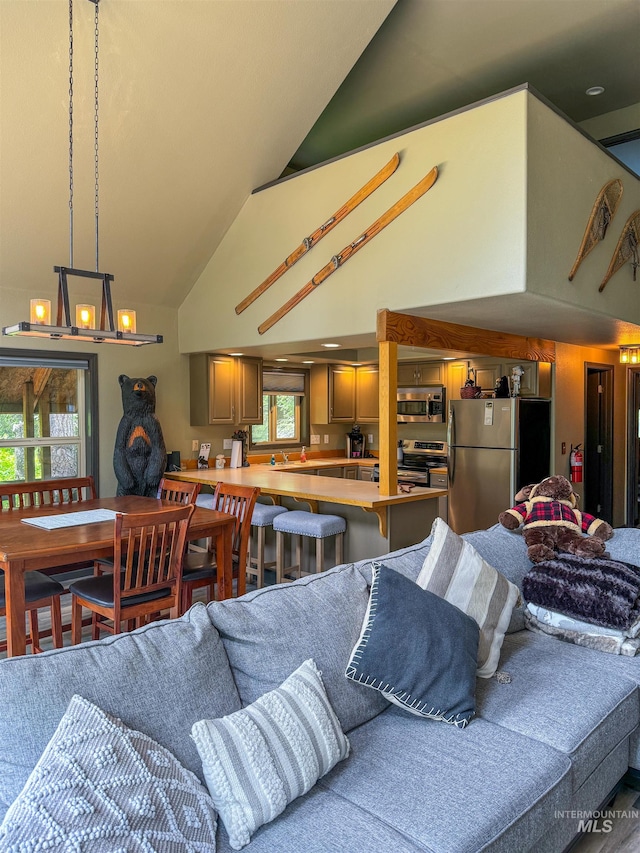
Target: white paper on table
<point>71,519</point>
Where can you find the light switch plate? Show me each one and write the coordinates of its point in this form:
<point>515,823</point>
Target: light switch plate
<point>370,438</point>
<point>326,439</point>
<point>227,444</point>
<point>195,444</point>
<point>315,439</point>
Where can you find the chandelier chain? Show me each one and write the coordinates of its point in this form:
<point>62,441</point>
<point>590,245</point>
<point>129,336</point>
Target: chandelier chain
<point>71,133</point>
<point>96,128</point>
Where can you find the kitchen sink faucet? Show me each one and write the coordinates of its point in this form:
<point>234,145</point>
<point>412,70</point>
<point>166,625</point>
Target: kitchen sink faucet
<point>285,457</point>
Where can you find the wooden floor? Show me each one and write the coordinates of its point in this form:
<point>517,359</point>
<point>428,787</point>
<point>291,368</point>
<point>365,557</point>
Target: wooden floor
<point>624,836</point>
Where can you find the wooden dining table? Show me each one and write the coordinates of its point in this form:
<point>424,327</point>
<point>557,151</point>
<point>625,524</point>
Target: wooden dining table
<point>26,548</point>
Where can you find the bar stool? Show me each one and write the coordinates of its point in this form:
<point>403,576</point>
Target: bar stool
<point>310,524</point>
<point>262,518</point>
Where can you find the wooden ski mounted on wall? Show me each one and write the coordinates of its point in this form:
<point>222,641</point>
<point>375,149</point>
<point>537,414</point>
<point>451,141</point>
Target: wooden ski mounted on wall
<point>603,211</point>
<point>626,250</point>
<point>310,241</point>
<point>338,260</point>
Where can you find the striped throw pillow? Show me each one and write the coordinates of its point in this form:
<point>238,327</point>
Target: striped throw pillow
<point>454,570</point>
<point>259,759</point>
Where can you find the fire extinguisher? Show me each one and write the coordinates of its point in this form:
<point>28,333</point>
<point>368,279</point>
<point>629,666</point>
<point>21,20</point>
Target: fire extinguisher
<point>576,461</point>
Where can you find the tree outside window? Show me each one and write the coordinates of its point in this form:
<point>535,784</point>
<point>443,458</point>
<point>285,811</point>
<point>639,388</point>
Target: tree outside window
<point>45,416</point>
<point>284,409</point>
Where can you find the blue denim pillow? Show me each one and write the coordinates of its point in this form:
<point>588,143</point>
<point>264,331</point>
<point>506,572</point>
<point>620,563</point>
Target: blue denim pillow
<point>417,649</point>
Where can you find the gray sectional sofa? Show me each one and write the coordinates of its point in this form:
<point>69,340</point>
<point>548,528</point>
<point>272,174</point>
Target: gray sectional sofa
<point>543,749</point>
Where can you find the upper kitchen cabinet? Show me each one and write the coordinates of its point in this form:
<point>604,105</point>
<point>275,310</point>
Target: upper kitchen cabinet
<point>367,393</point>
<point>416,373</point>
<point>225,390</point>
<point>534,382</point>
<point>333,394</point>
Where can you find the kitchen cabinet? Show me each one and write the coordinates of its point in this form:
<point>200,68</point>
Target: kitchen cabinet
<point>367,391</point>
<point>350,472</point>
<point>225,390</point>
<point>333,394</point>
<point>416,373</point>
<point>366,474</point>
<point>438,481</point>
<point>330,472</point>
<point>535,382</point>
<point>456,377</point>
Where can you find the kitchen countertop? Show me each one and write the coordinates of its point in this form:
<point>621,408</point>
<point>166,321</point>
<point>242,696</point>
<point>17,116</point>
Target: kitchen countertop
<point>281,481</point>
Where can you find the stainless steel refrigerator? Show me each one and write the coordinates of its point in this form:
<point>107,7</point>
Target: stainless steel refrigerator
<point>495,447</point>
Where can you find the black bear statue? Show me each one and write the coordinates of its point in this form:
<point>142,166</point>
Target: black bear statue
<point>139,456</point>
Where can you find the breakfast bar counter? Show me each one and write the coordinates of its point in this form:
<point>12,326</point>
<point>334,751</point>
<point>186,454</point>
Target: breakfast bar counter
<point>376,524</point>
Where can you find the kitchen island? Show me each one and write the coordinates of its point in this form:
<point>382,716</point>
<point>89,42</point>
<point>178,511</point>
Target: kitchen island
<point>376,524</point>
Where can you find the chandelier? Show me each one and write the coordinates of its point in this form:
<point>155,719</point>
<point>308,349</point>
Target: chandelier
<point>83,326</point>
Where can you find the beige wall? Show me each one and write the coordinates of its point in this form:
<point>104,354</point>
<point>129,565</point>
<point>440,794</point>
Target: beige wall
<point>162,360</point>
<point>565,173</point>
<point>613,123</point>
<point>464,238</point>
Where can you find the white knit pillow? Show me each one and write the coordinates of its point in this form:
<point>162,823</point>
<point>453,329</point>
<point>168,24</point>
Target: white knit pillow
<point>100,786</point>
<point>258,760</point>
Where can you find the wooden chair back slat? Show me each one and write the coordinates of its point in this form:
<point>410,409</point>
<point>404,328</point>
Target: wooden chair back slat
<point>238,501</point>
<point>175,490</point>
<point>150,548</point>
<point>46,492</point>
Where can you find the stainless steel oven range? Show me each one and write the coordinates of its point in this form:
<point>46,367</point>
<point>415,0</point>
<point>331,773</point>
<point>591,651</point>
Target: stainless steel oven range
<point>418,458</point>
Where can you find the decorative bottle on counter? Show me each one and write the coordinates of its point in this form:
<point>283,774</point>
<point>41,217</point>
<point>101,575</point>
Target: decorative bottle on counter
<point>303,454</point>
<point>273,459</point>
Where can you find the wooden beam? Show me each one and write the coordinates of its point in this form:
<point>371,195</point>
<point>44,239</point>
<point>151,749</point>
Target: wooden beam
<point>414,331</point>
<point>388,418</point>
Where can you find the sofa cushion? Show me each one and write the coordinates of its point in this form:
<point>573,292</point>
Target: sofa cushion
<point>99,783</point>
<point>323,822</point>
<point>454,570</point>
<point>562,695</point>
<point>268,633</point>
<point>158,680</point>
<point>258,760</point>
<point>418,650</point>
<point>452,790</point>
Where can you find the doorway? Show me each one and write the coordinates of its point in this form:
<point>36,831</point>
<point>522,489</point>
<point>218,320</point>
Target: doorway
<point>633,447</point>
<point>598,449</point>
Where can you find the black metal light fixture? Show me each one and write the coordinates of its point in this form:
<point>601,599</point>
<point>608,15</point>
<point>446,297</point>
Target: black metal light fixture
<point>84,328</point>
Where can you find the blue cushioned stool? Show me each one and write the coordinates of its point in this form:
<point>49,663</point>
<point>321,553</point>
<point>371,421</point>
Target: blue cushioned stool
<point>262,518</point>
<point>310,524</point>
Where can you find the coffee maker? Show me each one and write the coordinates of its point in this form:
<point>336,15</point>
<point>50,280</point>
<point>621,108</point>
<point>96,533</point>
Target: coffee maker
<point>355,443</point>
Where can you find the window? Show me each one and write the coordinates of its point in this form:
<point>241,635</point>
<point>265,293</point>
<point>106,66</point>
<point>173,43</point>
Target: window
<point>284,418</point>
<point>48,415</point>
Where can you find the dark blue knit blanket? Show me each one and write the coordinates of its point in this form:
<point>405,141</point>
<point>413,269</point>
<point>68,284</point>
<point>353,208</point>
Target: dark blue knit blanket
<point>603,592</point>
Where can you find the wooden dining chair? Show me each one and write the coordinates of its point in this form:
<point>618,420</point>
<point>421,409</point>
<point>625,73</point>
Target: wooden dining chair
<point>39,591</point>
<point>149,548</point>
<point>176,490</point>
<point>64,490</point>
<point>200,569</point>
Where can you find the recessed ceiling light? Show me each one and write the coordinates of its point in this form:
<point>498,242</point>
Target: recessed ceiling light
<point>308,362</point>
<point>356,364</point>
<point>448,358</point>
<point>330,346</point>
<point>236,353</point>
<point>595,90</point>
<point>281,359</point>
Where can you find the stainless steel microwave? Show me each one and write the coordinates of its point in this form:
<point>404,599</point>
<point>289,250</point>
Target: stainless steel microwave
<point>421,405</point>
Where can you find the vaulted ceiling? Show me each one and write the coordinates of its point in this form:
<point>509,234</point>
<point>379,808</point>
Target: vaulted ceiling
<point>201,101</point>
